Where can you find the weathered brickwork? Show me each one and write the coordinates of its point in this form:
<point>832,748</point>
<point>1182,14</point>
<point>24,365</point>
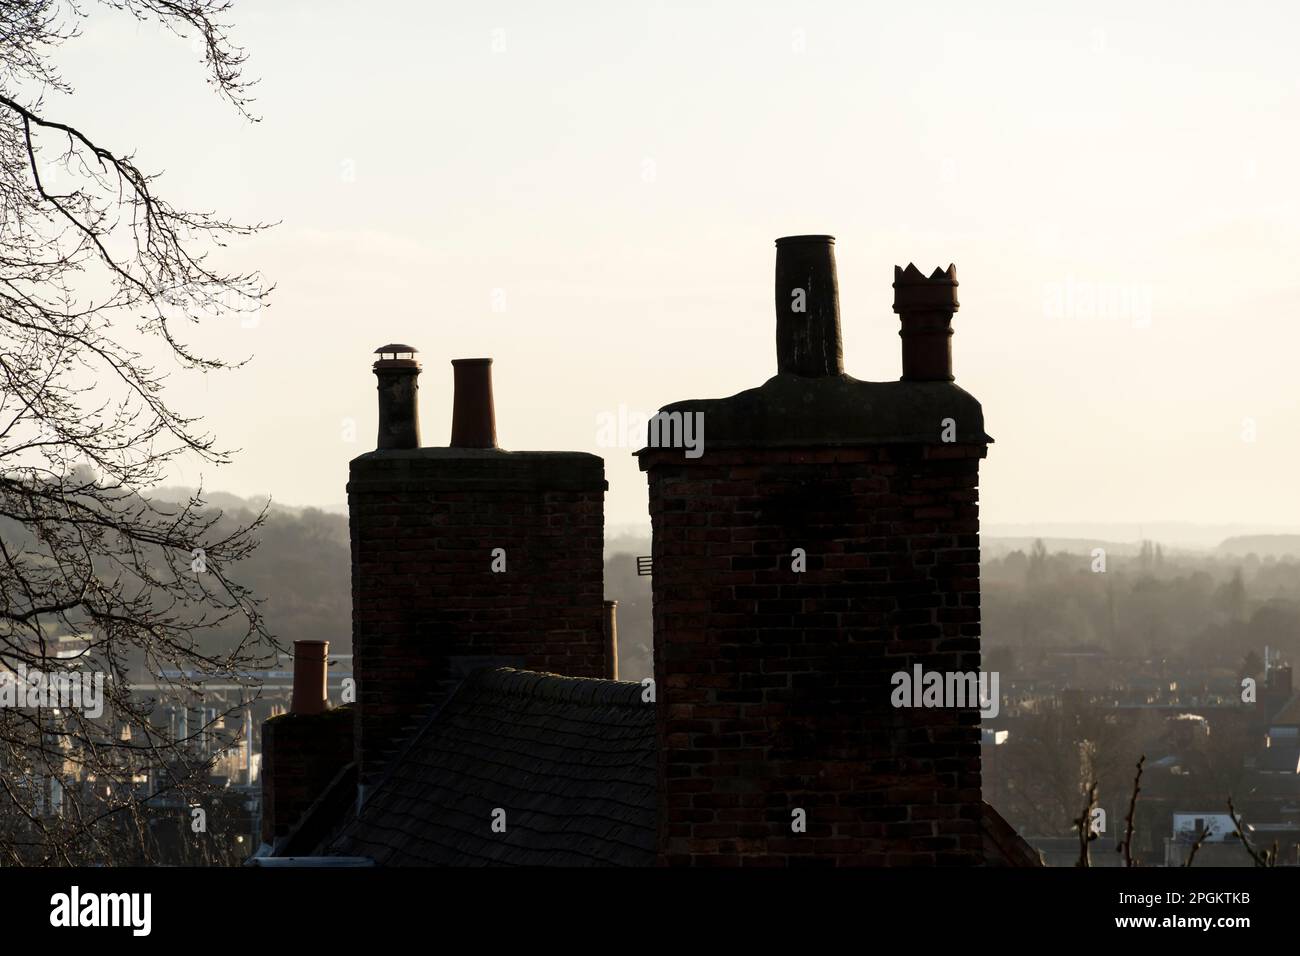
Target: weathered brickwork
<point>774,685</point>
<point>301,754</point>
<point>424,525</point>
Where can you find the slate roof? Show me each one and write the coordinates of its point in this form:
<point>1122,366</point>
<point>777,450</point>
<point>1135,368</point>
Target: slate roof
<point>570,760</point>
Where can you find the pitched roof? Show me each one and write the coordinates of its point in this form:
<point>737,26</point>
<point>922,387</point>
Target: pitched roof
<point>1289,714</point>
<point>570,760</point>
<point>1003,846</point>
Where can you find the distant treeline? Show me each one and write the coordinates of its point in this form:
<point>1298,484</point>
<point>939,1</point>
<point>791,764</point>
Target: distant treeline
<point>1212,607</point>
<point>1208,607</point>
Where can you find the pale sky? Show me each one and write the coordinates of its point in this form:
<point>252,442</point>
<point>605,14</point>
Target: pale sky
<point>619,171</point>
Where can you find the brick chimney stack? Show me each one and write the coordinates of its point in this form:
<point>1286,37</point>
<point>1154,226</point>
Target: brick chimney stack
<point>826,539</point>
<point>469,556</point>
<point>303,750</point>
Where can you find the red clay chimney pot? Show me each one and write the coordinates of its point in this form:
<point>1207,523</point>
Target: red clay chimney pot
<point>925,306</point>
<point>473,414</point>
<point>309,676</point>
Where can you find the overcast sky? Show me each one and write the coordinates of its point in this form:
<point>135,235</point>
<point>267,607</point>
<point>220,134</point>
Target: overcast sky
<point>588,193</point>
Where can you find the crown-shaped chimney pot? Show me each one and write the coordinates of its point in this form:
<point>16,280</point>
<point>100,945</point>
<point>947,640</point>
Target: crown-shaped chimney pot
<point>925,306</point>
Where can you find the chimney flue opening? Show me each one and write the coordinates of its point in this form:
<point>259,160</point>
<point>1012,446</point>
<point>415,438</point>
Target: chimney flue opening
<point>310,666</point>
<point>807,307</point>
<point>473,413</point>
<point>399,389</point>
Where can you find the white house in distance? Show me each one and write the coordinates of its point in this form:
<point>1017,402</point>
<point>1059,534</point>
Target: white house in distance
<point>1189,825</point>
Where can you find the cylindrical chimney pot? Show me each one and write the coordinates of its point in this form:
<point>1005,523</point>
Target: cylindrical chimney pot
<point>309,676</point>
<point>807,307</point>
<point>473,415</point>
<point>611,639</point>
<point>399,393</point>
<point>925,307</point>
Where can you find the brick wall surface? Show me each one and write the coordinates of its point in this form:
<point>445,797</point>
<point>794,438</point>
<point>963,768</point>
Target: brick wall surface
<point>301,754</point>
<point>774,686</point>
<point>424,593</point>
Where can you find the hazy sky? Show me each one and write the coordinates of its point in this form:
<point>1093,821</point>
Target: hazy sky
<point>618,172</point>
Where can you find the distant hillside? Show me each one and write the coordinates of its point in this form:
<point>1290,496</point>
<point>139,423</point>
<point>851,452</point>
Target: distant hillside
<point>301,568</point>
<point>992,547</point>
<point>1176,534</point>
<point>1262,545</point>
<point>228,502</point>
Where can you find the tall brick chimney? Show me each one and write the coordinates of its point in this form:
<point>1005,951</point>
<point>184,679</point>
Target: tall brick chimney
<point>826,540</point>
<point>468,556</point>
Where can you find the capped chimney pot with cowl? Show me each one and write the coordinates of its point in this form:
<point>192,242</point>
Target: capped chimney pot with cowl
<point>399,392</point>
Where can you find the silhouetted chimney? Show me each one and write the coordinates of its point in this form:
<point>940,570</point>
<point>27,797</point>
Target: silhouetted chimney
<point>469,556</point>
<point>925,307</point>
<point>807,307</point>
<point>302,750</point>
<point>473,415</point>
<point>399,391</point>
<point>824,539</point>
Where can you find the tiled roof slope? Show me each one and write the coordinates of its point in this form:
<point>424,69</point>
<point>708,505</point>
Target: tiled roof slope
<point>570,760</point>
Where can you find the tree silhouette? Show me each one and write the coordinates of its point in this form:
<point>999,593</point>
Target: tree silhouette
<point>99,277</point>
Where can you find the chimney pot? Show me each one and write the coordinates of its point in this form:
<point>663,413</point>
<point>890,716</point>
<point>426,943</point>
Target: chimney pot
<point>610,623</point>
<point>473,414</point>
<point>309,676</point>
<point>925,306</point>
<point>399,390</point>
<point>807,307</point>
